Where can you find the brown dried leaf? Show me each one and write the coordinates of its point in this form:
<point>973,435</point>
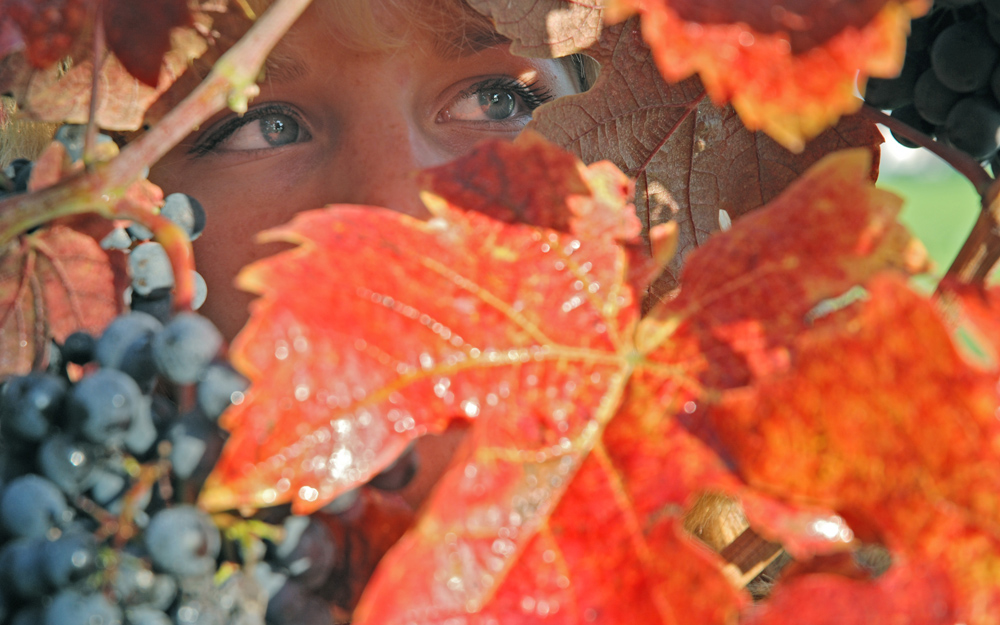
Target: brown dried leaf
<point>691,159</point>
<point>52,97</point>
<point>545,28</point>
<point>52,283</point>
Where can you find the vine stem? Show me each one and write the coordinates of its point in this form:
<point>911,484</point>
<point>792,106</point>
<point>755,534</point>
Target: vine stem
<point>981,250</point>
<point>103,188</point>
<point>90,138</point>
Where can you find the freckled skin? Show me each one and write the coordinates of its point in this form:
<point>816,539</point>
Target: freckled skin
<point>370,121</point>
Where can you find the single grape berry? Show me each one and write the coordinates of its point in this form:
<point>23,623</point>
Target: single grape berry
<point>121,334</point>
<point>909,116</point>
<point>79,348</point>
<point>149,267</point>
<point>220,386</point>
<point>183,541</point>
<point>295,605</point>
<point>67,461</point>
<point>30,404</point>
<point>186,212</point>
<point>963,56</point>
<point>158,303</point>
<point>932,99</point>
<point>892,93</point>
<point>21,568</point>
<point>143,615</point>
<point>973,126</point>
<point>31,506</point>
<point>68,558</point>
<point>307,553</point>
<point>72,607</point>
<point>103,405</point>
<point>185,347</point>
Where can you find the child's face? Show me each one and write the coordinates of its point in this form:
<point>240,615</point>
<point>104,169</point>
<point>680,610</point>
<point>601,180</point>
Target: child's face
<point>333,125</point>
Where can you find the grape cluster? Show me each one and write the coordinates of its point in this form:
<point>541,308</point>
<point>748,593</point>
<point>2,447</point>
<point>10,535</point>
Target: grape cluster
<point>102,456</point>
<point>949,86</point>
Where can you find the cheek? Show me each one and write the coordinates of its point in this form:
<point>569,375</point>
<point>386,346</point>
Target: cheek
<point>237,208</point>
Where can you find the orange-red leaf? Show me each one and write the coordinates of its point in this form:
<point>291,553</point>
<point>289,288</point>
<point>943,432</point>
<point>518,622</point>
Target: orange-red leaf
<point>48,29</point>
<point>421,322</point>
<point>783,69</point>
<point>52,283</point>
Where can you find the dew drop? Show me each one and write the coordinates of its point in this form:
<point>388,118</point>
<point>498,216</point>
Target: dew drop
<point>690,407</point>
<point>471,408</point>
<point>549,556</point>
<point>308,493</point>
<point>471,471</point>
<point>546,248</point>
<point>426,360</point>
<point>236,398</point>
<point>301,392</point>
<point>281,351</point>
<point>528,604</point>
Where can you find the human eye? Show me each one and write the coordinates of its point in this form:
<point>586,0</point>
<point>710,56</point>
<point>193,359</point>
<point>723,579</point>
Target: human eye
<point>261,128</point>
<point>500,101</point>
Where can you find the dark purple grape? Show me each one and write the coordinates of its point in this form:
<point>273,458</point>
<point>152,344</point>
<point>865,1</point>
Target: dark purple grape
<point>78,348</point>
<point>295,605</point>
<point>120,336</point>
<point>186,212</point>
<point>117,239</point>
<point>149,267</point>
<point>973,126</point>
<point>158,303</point>
<point>70,557</point>
<point>963,56</point>
<point>307,553</point>
<point>219,387</point>
<point>921,34</point>
<point>195,446</point>
<point>892,93</point>
<point>21,568</point>
<point>909,116</point>
<point>66,461</point>
<point>183,541</point>
<point>71,607</point>
<point>107,485</point>
<point>30,404</point>
<point>932,99</point>
<point>4,605</point>
<point>134,584</point>
<point>142,433</point>
<point>31,506</point>
<point>185,347</point>
<point>103,405</point>
<point>398,474</point>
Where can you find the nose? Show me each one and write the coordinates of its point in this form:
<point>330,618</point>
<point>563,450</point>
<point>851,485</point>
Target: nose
<point>380,154</point>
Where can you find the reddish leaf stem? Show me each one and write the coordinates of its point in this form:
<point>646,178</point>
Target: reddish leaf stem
<point>90,138</point>
<point>981,250</point>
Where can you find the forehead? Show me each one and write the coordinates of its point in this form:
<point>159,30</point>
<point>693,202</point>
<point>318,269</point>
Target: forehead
<point>445,28</point>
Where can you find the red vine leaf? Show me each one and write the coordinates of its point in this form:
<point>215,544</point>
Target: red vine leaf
<point>545,28</point>
<point>780,79</point>
<point>462,316</point>
<point>52,283</point>
<point>48,30</point>
<point>690,159</point>
<point>896,434</point>
<point>139,33</point>
<point>515,532</point>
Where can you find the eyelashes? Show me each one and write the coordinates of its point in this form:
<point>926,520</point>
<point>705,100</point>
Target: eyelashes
<point>228,128</point>
<point>527,95</point>
<point>532,94</point>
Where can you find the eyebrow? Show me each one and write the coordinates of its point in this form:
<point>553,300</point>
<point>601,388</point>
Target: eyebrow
<point>473,36</point>
<point>284,68</point>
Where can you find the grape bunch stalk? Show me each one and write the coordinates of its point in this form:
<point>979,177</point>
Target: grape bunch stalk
<point>102,456</point>
<point>949,86</point>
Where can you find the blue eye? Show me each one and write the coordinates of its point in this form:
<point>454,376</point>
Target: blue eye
<point>279,129</point>
<point>497,104</point>
<point>266,127</point>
